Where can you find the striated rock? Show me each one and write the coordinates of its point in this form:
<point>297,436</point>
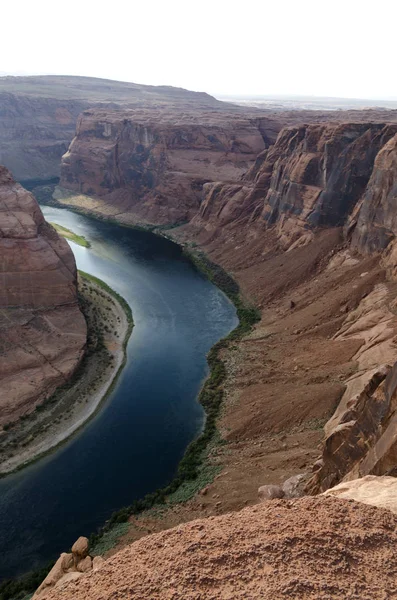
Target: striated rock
<point>35,132</point>
<point>375,221</point>
<point>154,164</point>
<point>376,491</point>
<point>313,176</point>
<point>364,440</point>
<point>39,114</point>
<point>42,331</point>
<point>359,437</point>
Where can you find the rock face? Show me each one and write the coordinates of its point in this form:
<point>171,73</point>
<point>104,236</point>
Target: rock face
<point>154,164</point>
<point>35,133</point>
<point>313,176</point>
<point>375,220</point>
<point>362,440</point>
<point>282,548</point>
<point>43,332</point>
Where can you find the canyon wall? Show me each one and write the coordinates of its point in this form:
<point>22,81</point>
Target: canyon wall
<point>42,331</point>
<point>35,133</point>
<point>154,164</point>
<point>313,176</point>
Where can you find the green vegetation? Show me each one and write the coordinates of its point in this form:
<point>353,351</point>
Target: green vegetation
<point>124,304</point>
<point>109,539</point>
<point>69,235</point>
<point>20,589</point>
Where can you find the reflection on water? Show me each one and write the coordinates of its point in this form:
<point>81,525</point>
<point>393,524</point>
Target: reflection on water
<point>134,444</point>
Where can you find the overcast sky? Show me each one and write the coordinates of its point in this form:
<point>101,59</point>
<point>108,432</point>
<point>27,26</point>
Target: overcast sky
<point>344,48</point>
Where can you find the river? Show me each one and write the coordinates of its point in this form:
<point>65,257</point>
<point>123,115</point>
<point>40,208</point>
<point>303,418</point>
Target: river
<point>134,443</point>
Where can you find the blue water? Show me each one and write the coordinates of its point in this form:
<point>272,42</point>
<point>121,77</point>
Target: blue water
<point>135,442</point>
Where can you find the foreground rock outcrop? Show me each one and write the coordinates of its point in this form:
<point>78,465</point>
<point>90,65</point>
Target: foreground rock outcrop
<point>70,567</point>
<point>308,548</point>
<point>42,330</point>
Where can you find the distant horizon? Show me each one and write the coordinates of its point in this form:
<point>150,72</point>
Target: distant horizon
<point>306,48</point>
<point>218,95</point>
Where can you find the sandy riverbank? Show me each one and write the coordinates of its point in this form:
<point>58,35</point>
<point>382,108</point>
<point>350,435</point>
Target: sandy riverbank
<point>68,409</point>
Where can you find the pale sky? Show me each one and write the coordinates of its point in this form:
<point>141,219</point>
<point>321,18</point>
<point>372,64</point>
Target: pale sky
<point>344,48</point>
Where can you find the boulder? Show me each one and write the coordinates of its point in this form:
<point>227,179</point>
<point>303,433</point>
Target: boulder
<point>292,487</point>
<point>97,563</point>
<point>69,567</point>
<point>269,492</point>
<point>68,577</point>
<point>80,547</point>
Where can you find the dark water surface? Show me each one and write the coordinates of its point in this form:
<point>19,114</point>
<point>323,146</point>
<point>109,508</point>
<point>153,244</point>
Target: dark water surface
<point>134,444</point>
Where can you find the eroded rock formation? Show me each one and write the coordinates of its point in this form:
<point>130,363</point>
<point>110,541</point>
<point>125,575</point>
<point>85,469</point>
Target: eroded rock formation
<point>43,332</point>
<point>375,219</point>
<point>70,567</point>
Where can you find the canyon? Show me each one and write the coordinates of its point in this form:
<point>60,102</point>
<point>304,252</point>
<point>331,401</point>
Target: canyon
<point>304,233</point>
<point>299,207</point>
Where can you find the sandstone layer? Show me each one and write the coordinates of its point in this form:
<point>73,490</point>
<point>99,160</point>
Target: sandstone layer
<point>307,548</point>
<point>166,166</point>
<point>313,176</point>
<point>43,332</point>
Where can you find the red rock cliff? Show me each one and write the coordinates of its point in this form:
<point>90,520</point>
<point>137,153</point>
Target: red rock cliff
<point>313,176</point>
<point>43,332</point>
<point>153,163</point>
